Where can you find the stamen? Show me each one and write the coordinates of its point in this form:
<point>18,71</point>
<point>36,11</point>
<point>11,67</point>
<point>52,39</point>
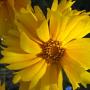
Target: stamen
<point>52,51</point>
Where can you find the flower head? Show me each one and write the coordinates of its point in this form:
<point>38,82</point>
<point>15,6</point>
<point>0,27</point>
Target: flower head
<point>42,47</point>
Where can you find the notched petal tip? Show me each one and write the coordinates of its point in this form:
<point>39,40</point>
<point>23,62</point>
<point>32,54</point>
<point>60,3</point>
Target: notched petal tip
<point>43,31</point>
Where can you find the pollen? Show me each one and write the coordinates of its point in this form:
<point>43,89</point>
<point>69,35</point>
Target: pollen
<point>52,51</point>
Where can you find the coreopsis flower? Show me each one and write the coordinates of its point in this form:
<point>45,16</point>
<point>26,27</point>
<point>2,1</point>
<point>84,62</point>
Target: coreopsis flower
<point>7,13</point>
<point>41,48</point>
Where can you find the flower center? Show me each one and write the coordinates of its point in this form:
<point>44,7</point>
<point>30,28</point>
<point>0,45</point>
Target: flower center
<point>52,51</point>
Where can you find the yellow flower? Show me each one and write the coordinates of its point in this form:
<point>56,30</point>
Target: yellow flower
<point>2,87</point>
<point>7,8</point>
<point>42,48</point>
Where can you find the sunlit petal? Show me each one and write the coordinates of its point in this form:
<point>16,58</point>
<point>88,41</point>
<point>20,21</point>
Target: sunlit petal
<point>85,77</point>
<point>24,64</point>
<point>71,69</point>
<point>11,57</point>
<point>60,80</point>
<point>29,45</point>
<point>33,70</point>
<point>49,80</point>
<point>79,50</point>
<point>38,13</point>
<point>38,76</point>
<point>54,5</point>
<point>43,31</point>
<point>75,28</point>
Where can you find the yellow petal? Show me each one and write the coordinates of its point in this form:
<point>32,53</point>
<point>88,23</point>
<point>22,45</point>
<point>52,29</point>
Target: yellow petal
<point>53,75</point>
<point>49,80</point>
<point>37,87</point>
<point>60,80</point>
<point>43,31</point>
<point>62,5</point>
<point>24,64</point>
<point>85,30</point>
<point>29,32</point>
<point>29,45</point>
<point>85,76</point>
<point>38,13</point>
<point>82,28</point>
<point>11,41</point>
<point>45,81</point>
<point>24,86</point>
<point>74,33</point>
<point>26,21</point>
<point>74,28</point>
<point>65,6</point>
<point>73,70</point>
<point>55,22</point>
<point>63,25</point>
<point>6,17</point>
<point>11,57</point>
<point>38,76</point>
<point>79,50</point>
<point>14,49</point>
<point>2,87</point>
<point>54,5</point>
<point>28,73</point>
<point>27,18</point>
<point>16,79</point>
